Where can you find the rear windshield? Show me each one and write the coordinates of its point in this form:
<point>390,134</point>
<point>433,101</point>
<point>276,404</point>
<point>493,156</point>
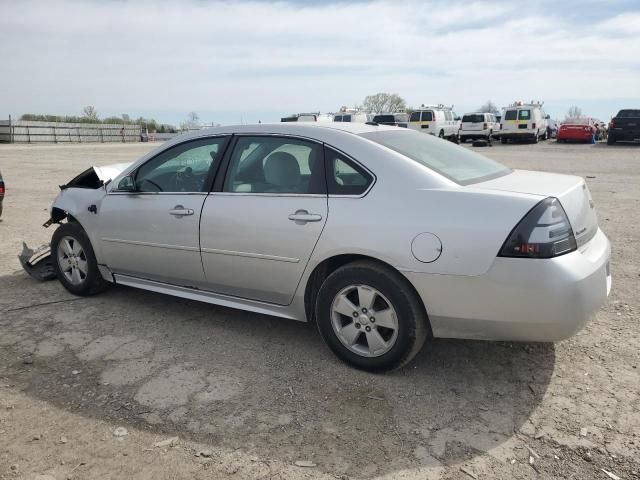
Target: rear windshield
<point>415,117</point>
<point>342,118</point>
<point>384,119</point>
<point>511,115</point>
<point>524,114</point>
<point>628,113</point>
<point>475,118</point>
<point>456,163</point>
<point>576,121</point>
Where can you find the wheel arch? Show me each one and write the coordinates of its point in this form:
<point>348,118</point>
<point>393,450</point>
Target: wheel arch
<point>329,265</point>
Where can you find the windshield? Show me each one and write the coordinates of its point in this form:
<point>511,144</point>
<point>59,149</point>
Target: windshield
<point>628,113</point>
<point>510,114</point>
<point>384,119</point>
<point>456,163</point>
<point>473,118</point>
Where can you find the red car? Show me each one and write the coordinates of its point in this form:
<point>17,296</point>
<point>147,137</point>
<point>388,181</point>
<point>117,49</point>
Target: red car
<point>577,130</point>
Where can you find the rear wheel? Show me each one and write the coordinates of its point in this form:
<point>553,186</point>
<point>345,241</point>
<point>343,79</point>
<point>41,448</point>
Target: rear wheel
<point>536,139</point>
<point>371,317</point>
<point>441,134</point>
<point>74,261</point>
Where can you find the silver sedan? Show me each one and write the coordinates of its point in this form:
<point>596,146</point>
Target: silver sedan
<point>382,236</point>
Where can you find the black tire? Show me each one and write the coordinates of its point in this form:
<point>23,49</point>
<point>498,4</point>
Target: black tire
<point>441,134</point>
<point>463,140</point>
<point>503,140</point>
<point>413,323</point>
<point>93,282</point>
<point>611,140</point>
<point>536,139</point>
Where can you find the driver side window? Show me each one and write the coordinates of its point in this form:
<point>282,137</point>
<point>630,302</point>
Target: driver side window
<point>183,168</point>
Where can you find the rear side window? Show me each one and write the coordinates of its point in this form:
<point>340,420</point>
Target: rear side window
<point>524,114</point>
<point>344,177</point>
<point>415,117</point>
<point>511,115</point>
<point>475,118</point>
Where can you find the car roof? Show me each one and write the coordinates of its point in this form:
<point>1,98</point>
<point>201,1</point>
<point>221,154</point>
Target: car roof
<point>292,128</point>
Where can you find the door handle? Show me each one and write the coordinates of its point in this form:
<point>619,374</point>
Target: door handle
<point>302,216</point>
<point>180,211</point>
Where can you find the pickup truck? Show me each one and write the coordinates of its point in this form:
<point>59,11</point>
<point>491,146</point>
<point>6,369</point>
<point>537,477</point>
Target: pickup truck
<point>624,127</point>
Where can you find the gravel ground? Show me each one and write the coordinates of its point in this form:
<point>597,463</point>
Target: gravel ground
<point>250,396</point>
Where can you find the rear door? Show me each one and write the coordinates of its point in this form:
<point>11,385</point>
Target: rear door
<point>259,228</point>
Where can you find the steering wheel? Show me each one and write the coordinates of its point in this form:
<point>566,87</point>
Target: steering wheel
<point>152,183</point>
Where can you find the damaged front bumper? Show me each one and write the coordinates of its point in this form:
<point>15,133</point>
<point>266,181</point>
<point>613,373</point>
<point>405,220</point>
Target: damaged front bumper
<point>38,263</point>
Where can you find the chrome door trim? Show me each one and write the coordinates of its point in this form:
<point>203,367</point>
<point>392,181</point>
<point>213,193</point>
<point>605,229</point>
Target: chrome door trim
<point>148,244</point>
<point>270,194</point>
<point>121,192</point>
<point>261,256</point>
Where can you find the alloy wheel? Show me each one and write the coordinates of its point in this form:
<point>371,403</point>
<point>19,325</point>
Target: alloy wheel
<point>364,320</point>
<point>72,260</point>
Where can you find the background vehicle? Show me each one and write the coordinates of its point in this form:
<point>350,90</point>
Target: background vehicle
<point>301,117</point>
<point>1,192</point>
<point>577,130</point>
<point>351,116</point>
<point>624,127</point>
<point>437,120</point>
<point>314,199</point>
<point>393,119</point>
<point>524,121</point>
<point>478,125</point>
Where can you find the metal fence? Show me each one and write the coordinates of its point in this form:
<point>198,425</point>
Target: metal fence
<point>26,131</point>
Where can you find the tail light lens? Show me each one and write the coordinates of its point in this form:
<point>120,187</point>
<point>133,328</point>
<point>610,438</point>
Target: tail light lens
<point>533,125</point>
<point>484,126</point>
<point>544,232</point>
<point>500,126</point>
<point>1,189</point>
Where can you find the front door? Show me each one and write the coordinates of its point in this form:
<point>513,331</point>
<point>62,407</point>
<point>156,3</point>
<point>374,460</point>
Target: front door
<point>150,221</point>
<point>258,233</point>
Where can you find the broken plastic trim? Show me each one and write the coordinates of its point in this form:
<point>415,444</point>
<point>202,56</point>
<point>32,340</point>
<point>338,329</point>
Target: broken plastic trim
<point>38,263</point>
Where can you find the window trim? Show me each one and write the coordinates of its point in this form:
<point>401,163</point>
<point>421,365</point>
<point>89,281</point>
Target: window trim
<point>209,179</point>
<point>351,159</point>
<point>223,171</point>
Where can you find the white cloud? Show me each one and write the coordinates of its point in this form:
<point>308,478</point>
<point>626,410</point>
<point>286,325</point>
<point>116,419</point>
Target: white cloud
<point>260,56</point>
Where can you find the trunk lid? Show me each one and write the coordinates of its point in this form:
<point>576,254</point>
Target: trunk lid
<point>572,191</point>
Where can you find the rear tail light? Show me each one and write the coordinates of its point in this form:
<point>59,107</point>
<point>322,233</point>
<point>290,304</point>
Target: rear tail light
<point>544,232</point>
<point>484,126</point>
<point>500,126</point>
<point>1,189</point>
<point>533,125</point>
<point>612,124</point>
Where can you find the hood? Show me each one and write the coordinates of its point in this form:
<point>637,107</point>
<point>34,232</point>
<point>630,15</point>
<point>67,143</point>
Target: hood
<point>96,177</point>
<point>109,172</point>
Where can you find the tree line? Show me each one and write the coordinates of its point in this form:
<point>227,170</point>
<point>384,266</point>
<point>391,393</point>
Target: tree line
<point>90,115</point>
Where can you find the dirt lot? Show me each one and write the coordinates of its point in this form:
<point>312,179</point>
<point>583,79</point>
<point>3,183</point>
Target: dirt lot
<point>248,396</point>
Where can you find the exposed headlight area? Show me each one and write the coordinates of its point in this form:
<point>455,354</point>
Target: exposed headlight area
<point>544,232</point>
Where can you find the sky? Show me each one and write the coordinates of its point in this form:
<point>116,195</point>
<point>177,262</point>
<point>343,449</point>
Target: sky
<point>244,61</point>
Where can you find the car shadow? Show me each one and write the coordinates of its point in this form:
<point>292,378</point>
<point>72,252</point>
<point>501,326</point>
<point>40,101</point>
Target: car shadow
<point>264,385</point>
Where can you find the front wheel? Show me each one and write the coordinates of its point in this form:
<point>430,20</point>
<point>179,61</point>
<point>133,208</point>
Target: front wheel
<point>371,317</point>
<point>74,261</point>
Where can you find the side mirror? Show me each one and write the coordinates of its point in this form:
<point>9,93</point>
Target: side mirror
<point>457,119</point>
<point>127,184</point>
<point>547,117</point>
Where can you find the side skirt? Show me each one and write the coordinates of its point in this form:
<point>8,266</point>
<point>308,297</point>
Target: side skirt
<point>207,297</point>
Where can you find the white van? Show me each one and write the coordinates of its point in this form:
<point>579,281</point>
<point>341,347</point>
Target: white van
<point>437,120</point>
<point>351,116</point>
<point>526,121</point>
<point>478,125</point>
